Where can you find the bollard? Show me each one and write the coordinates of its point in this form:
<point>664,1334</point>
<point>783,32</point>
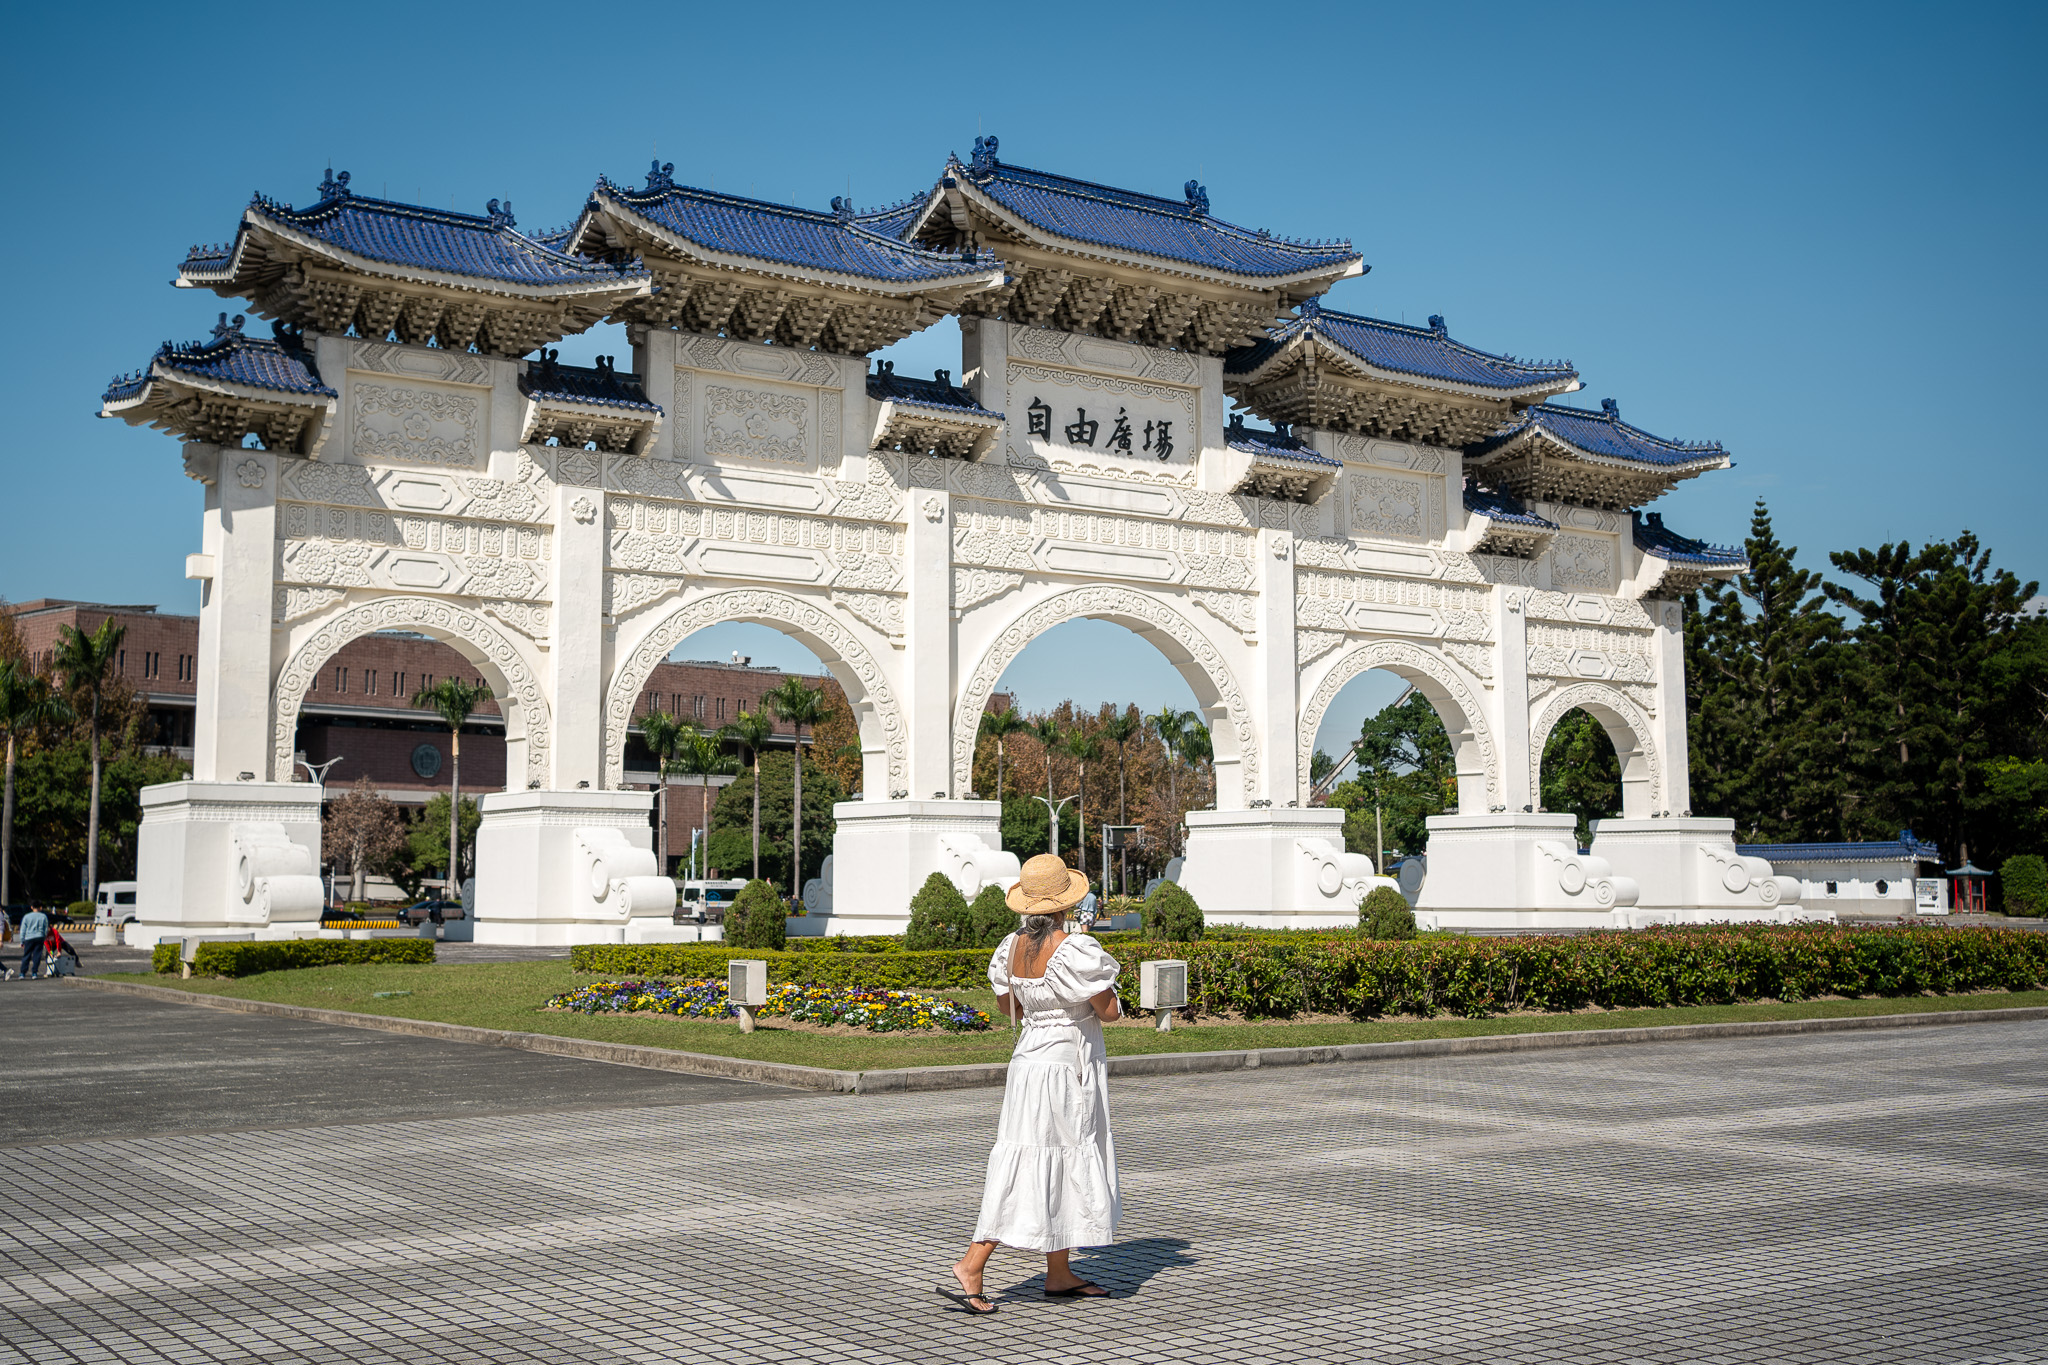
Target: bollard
<point>1163,988</point>
<point>746,988</point>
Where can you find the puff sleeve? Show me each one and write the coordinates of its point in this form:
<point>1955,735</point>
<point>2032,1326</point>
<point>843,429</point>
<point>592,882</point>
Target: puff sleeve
<point>999,966</point>
<point>1081,969</point>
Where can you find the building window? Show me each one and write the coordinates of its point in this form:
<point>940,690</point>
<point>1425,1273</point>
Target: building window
<point>1884,887</point>
<point>340,678</point>
<point>721,708</point>
<point>184,668</point>
<point>121,660</point>
<point>1831,888</point>
<point>697,707</point>
<point>398,686</point>
<point>426,682</point>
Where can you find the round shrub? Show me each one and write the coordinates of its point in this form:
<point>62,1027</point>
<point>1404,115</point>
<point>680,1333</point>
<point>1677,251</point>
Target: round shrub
<point>758,918</point>
<point>1171,915</point>
<point>938,916</point>
<point>991,917</point>
<point>1385,915</point>
<point>78,910</point>
<point>2026,885</point>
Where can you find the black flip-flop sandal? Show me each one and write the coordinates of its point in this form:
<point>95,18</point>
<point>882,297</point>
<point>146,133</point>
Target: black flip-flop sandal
<point>1079,1291</point>
<point>966,1301</point>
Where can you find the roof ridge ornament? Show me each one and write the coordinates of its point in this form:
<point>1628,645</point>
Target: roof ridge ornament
<point>1310,307</point>
<point>1613,411</point>
<point>1437,325</point>
<point>1198,198</point>
<point>500,214</point>
<point>334,186</point>
<point>842,209</point>
<point>984,155</point>
<point>225,329</point>
<point>660,176</point>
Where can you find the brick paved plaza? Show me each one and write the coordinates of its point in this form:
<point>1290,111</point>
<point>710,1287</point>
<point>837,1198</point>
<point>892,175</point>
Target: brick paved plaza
<point>196,1186</point>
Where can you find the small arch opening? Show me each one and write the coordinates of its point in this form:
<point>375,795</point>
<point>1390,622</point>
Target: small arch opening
<point>1581,772</point>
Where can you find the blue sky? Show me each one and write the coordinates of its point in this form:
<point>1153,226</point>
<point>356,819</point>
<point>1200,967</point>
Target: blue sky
<point>1806,231</point>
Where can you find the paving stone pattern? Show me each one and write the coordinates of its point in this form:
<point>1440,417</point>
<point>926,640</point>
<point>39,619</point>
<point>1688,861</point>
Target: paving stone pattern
<point>1837,1198</point>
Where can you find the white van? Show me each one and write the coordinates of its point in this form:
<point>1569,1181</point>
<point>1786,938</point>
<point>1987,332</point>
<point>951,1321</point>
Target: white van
<point>116,903</point>
<point>705,902</point>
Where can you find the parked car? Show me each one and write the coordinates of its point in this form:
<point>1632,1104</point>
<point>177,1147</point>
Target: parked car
<point>115,904</point>
<point>432,910</point>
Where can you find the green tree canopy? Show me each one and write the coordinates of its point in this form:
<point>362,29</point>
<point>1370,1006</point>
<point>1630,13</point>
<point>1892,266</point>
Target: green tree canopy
<point>731,843</point>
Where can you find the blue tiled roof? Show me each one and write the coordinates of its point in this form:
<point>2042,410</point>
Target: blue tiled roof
<point>409,236</point>
<point>895,219</point>
<point>1653,538</point>
<point>230,358</point>
<point>599,384</point>
<point>939,391</point>
<point>1885,850</point>
<point>1425,352</point>
<point>1503,508</point>
<point>1277,445</point>
<point>785,235</point>
<point>1600,433</point>
<point>1125,220</point>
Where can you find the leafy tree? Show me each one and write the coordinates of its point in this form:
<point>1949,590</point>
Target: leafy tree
<point>732,824</point>
<point>454,700</point>
<point>700,756</point>
<point>29,706</point>
<point>1320,766</point>
<point>87,663</point>
<point>938,916</point>
<point>1384,915</point>
<point>362,832</point>
<point>2025,883</point>
<point>753,730</point>
<point>1761,653</point>
<point>1581,772</point>
<point>990,918</point>
<point>53,784</point>
<point>1027,829</point>
<point>758,918</point>
<point>426,842</point>
<point>1051,739</point>
<point>999,726</point>
<point>1083,747</point>
<point>800,704</point>
<point>1406,771</point>
<point>1171,915</point>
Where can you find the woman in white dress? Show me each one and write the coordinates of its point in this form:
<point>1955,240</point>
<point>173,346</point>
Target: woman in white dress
<point>1052,1176</point>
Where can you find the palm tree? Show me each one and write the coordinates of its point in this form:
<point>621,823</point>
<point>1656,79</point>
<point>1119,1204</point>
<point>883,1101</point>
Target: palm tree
<point>1046,730</point>
<point>1082,746</point>
<point>1200,747</point>
<point>701,756</point>
<point>27,704</point>
<point>1120,731</point>
<point>454,700</point>
<point>1172,726</point>
<point>800,704</point>
<point>87,663</point>
<point>662,733</point>
<point>753,729</point>
<point>999,726</point>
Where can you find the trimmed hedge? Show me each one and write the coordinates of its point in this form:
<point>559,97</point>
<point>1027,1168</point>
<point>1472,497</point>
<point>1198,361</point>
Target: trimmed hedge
<point>946,969</point>
<point>2025,883</point>
<point>281,955</point>
<point>1471,977</point>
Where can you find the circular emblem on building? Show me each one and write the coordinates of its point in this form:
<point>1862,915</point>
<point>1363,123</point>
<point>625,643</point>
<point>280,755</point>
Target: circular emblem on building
<point>426,760</point>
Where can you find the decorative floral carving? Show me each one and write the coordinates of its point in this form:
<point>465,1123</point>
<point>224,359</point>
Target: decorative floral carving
<point>250,473</point>
<point>515,682</point>
<point>1239,611</point>
<point>1310,645</point>
<point>315,481</point>
<point>578,469</point>
<point>933,508</point>
<point>344,565</point>
<point>1438,681</point>
<point>882,612</point>
<point>877,498</point>
<point>1388,505</point>
<point>1619,710</point>
<point>1582,562</point>
<point>415,426</point>
<point>289,604</point>
<point>812,622</point>
<point>1475,659</point>
<point>753,424</point>
<point>502,501</point>
<point>972,587</point>
<point>1113,602</point>
<point>528,618</point>
<point>584,510</point>
<point>628,592</point>
<point>501,578</point>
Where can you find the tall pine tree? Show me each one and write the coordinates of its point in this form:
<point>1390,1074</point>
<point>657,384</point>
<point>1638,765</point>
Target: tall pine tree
<point>1757,652</point>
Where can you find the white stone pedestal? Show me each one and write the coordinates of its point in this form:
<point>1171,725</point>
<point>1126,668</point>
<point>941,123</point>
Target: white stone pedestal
<point>559,867</point>
<point>1690,873</point>
<point>884,850</point>
<point>1280,869</point>
<point>227,857</point>
<point>1517,872</point>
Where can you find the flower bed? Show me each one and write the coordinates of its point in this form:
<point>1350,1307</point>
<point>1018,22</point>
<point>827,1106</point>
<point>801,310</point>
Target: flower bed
<point>878,1011</point>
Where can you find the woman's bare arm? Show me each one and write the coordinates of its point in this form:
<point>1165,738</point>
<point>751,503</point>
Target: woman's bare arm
<point>1105,1006</point>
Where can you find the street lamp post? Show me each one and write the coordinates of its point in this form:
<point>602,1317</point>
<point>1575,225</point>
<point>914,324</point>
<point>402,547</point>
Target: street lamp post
<point>1052,813</point>
<point>320,771</point>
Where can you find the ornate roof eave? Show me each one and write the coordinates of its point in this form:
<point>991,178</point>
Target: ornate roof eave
<point>621,218</point>
<point>1257,470</point>
<point>1298,284</point>
<point>1295,350</point>
<point>1533,464</point>
<point>621,430</point>
<point>170,398</point>
<point>255,223</point>
<point>1678,469</point>
<point>906,425</point>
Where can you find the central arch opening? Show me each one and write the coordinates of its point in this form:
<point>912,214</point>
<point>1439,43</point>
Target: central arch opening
<point>1383,757</point>
<point>1092,720</point>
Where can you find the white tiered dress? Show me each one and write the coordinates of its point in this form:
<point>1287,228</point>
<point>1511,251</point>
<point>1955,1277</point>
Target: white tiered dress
<point>1052,1176</point>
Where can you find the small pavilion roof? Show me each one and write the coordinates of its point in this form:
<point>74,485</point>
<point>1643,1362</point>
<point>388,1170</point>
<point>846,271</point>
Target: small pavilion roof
<point>1130,221</point>
<point>1503,509</point>
<point>832,243</point>
<point>229,359</point>
<point>1276,464</point>
<point>1278,445</point>
<point>1397,349</point>
<point>600,384</point>
<point>1652,537</point>
<point>929,416</point>
<point>379,236</point>
<point>1549,452</point>
<point>221,389</point>
<point>1901,849</point>
<point>1601,435</point>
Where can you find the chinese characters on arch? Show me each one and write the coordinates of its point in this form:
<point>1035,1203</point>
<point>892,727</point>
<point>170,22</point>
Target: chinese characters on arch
<point>1110,428</point>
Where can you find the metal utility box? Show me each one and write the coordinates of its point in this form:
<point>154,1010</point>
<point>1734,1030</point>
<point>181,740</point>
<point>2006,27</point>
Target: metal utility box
<point>746,981</point>
<point>1163,984</point>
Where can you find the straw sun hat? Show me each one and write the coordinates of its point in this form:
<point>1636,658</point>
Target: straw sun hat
<point>1047,887</point>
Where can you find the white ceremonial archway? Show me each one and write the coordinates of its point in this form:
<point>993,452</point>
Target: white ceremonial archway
<point>515,684</point>
<point>1628,728</point>
<point>1456,701</point>
<point>1185,642</point>
<point>817,625</point>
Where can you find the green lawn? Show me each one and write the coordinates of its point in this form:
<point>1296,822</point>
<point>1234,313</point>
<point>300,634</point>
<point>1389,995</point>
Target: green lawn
<point>508,995</point>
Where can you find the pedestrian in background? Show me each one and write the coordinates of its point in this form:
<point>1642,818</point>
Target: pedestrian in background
<point>35,927</point>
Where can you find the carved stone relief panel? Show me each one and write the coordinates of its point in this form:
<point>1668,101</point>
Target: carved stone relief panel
<point>1583,561</point>
<point>772,425</point>
<point>1590,652</point>
<point>351,547</point>
<point>1355,449</point>
<point>1391,505</point>
<point>1239,611</point>
<point>1391,606</point>
<point>973,587</point>
<point>1588,609</point>
<point>880,612</point>
<point>649,536</point>
<point>402,423</point>
<point>1075,351</point>
<point>419,362</point>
